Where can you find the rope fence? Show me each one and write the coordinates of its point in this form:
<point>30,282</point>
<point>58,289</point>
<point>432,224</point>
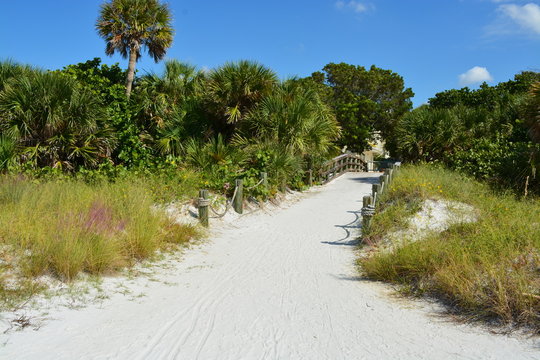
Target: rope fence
<point>228,204</point>
<point>328,171</point>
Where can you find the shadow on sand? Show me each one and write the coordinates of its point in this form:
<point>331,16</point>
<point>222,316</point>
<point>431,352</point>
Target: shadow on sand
<point>351,229</point>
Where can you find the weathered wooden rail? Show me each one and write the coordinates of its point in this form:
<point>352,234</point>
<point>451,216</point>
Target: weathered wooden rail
<point>339,165</point>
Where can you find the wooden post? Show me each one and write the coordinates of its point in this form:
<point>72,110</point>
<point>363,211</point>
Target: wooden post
<point>376,193</point>
<point>383,184</point>
<point>238,203</point>
<point>264,177</point>
<point>310,178</point>
<point>386,179</point>
<point>374,190</point>
<point>368,211</point>
<point>202,205</point>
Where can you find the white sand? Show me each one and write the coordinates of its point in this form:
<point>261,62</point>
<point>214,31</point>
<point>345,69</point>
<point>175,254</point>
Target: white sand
<point>268,286</point>
<point>435,216</point>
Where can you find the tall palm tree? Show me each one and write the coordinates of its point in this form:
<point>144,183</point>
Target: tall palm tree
<point>129,26</point>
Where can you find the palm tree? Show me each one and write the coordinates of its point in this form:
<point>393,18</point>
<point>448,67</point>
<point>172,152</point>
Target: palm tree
<point>296,118</point>
<point>161,97</point>
<point>128,26</point>
<point>427,134</point>
<point>54,121</point>
<point>8,152</point>
<point>10,70</point>
<point>169,104</point>
<point>236,88</point>
<point>533,120</point>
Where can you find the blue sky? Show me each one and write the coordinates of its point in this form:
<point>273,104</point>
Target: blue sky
<point>434,44</point>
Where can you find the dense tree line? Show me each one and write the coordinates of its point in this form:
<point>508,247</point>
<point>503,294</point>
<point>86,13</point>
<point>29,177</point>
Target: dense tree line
<point>239,118</point>
<point>231,121</point>
<point>81,117</point>
<point>491,132</point>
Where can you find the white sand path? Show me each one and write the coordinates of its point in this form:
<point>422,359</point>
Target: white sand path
<point>269,286</point>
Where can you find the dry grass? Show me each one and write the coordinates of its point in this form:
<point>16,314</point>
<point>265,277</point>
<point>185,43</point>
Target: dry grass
<point>486,270</point>
<point>66,228</point>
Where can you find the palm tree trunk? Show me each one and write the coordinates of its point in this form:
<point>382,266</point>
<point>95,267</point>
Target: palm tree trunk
<point>131,70</point>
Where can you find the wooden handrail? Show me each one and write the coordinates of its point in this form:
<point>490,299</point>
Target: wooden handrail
<point>337,166</point>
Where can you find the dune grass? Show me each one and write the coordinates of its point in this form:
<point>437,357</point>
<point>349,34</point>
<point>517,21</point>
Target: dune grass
<point>484,270</point>
<point>65,228</point>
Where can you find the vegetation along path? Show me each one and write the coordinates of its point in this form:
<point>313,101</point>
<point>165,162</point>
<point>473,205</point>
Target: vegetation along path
<point>279,285</point>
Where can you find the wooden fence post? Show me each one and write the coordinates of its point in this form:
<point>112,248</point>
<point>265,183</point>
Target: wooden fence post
<point>368,210</point>
<point>310,178</point>
<point>238,203</point>
<point>264,177</point>
<point>202,205</point>
<point>376,191</point>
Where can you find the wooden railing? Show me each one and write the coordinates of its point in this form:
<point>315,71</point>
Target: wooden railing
<point>339,165</point>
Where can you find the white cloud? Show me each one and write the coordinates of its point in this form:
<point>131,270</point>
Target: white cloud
<point>526,16</point>
<point>354,6</point>
<point>476,75</point>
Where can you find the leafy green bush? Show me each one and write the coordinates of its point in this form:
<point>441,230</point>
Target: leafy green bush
<point>487,140</point>
<point>54,121</point>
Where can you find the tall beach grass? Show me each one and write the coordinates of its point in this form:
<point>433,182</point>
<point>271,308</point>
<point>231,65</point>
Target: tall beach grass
<point>489,269</point>
<point>65,228</point>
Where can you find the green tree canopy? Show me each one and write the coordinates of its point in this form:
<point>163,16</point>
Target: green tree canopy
<point>486,96</point>
<point>363,100</point>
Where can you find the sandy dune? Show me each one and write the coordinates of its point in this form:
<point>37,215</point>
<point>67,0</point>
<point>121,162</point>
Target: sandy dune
<point>268,286</point>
